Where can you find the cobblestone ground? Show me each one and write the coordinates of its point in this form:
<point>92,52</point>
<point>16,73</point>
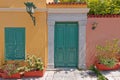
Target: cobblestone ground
<point>73,74</point>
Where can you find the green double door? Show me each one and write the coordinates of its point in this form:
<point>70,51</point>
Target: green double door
<point>14,43</point>
<point>66,44</point>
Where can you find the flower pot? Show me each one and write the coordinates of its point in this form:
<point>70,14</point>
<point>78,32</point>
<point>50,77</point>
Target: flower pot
<point>34,73</point>
<point>0,74</point>
<point>13,76</point>
<point>103,67</point>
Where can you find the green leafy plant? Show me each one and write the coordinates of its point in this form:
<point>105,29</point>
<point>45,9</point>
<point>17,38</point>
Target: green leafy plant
<point>108,62</point>
<point>100,7</point>
<point>10,68</point>
<point>108,54</point>
<point>103,7</point>
<point>97,72</point>
<point>110,47</point>
<point>33,63</point>
<point>22,69</point>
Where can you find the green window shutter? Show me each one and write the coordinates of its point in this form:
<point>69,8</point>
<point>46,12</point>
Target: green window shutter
<point>14,43</point>
<point>20,43</point>
<point>9,43</point>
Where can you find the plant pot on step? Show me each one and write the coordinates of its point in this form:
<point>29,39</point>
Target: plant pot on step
<point>103,67</point>
<point>13,76</point>
<point>34,73</point>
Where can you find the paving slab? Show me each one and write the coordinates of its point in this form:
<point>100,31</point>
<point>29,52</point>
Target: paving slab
<point>115,73</point>
<point>74,74</point>
<point>117,78</point>
<point>93,78</point>
<point>49,78</point>
<point>110,78</point>
<point>79,78</point>
<point>107,73</point>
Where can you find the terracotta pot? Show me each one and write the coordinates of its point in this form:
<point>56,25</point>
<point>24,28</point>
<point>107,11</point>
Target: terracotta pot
<point>1,72</point>
<point>13,76</point>
<point>34,73</point>
<point>0,75</point>
<point>103,67</point>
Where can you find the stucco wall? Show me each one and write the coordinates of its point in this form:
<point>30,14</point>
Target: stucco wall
<point>107,29</point>
<point>20,3</point>
<point>36,36</point>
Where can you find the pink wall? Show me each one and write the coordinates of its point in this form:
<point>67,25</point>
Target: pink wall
<point>107,29</point>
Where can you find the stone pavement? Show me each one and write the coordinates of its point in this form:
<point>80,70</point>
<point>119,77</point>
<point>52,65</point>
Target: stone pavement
<point>74,74</point>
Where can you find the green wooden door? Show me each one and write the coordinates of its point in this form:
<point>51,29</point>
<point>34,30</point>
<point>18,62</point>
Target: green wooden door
<point>66,44</point>
<point>14,43</point>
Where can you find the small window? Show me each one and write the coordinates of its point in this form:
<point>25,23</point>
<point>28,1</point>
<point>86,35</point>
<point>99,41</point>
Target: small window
<point>14,43</point>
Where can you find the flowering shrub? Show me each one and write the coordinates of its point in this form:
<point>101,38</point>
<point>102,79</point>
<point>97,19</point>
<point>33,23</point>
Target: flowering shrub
<point>110,47</point>
<point>10,68</point>
<point>108,54</point>
<point>34,63</point>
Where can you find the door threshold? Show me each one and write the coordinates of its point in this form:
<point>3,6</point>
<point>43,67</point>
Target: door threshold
<point>62,69</point>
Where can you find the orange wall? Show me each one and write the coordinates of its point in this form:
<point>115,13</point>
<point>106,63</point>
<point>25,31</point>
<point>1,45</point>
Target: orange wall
<point>36,36</point>
<point>20,3</point>
<point>107,29</point>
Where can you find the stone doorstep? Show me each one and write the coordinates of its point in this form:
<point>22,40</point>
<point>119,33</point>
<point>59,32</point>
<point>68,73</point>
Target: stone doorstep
<point>61,69</point>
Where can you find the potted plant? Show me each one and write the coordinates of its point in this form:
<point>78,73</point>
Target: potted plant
<point>10,70</point>
<point>34,67</point>
<point>108,55</point>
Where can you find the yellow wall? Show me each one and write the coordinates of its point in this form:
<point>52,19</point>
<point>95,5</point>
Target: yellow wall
<point>36,36</point>
<point>20,3</point>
